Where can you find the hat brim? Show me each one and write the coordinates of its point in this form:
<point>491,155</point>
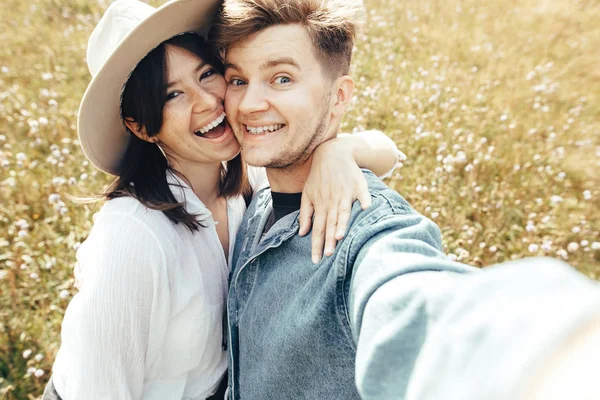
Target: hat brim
<point>102,135</point>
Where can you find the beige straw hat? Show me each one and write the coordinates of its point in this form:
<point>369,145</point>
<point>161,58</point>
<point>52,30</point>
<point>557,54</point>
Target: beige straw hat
<point>128,30</point>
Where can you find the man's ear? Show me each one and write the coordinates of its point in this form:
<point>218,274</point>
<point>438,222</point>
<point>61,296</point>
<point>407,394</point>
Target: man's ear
<point>344,89</point>
<point>139,131</point>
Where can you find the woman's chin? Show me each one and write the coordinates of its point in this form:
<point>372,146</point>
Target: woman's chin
<point>231,157</point>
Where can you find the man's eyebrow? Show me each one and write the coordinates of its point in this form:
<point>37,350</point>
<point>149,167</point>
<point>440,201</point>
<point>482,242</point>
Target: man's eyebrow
<point>278,61</point>
<point>268,64</point>
<point>198,68</point>
<point>232,66</point>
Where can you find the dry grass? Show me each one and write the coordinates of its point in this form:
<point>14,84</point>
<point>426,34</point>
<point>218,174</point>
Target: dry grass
<point>496,104</point>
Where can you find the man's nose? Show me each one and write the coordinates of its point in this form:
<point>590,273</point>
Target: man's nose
<point>253,100</point>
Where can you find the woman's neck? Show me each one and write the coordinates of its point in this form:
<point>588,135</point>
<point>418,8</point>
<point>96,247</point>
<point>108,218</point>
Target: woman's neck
<point>204,179</point>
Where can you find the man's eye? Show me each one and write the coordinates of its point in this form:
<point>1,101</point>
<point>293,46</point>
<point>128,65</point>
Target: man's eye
<point>281,80</point>
<point>236,82</point>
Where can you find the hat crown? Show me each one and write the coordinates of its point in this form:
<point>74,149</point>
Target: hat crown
<point>119,20</point>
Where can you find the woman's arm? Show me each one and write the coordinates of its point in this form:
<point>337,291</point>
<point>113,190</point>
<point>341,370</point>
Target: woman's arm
<point>335,181</point>
<point>106,327</point>
<point>372,150</point>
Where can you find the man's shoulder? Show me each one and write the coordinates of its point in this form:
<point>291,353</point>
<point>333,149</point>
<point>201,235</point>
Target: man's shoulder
<point>384,199</point>
<point>389,213</point>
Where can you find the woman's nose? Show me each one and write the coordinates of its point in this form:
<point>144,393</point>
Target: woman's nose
<point>205,100</point>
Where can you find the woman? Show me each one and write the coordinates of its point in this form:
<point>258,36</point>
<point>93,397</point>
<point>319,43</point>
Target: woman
<point>147,321</point>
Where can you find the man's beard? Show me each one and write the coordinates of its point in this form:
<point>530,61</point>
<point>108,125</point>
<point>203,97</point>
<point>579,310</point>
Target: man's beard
<point>300,154</point>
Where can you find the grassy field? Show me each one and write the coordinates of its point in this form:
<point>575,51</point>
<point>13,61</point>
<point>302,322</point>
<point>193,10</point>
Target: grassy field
<point>495,103</point>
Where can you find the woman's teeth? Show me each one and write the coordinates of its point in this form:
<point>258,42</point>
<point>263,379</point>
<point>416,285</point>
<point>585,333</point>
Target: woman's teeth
<point>212,124</point>
<point>263,129</point>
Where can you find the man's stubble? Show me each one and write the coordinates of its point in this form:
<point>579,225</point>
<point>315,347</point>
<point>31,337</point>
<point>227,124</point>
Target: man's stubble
<point>291,158</point>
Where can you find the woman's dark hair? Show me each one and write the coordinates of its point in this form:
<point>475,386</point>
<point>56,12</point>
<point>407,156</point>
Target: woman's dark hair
<point>144,169</point>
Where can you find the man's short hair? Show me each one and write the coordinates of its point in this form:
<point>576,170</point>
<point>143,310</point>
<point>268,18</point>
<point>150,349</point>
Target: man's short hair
<point>331,24</point>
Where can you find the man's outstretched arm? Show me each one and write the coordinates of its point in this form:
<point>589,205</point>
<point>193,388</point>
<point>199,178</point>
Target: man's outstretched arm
<point>429,328</point>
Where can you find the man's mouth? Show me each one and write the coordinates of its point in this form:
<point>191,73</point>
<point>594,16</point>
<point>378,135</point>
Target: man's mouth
<point>214,129</point>
<point>262,130</point>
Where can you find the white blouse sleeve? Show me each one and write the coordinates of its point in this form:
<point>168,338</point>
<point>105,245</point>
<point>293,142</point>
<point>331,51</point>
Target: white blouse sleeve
<point>107,325</point>
<point>258,178</point>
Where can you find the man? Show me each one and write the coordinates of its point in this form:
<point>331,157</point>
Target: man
<point>387,316</point>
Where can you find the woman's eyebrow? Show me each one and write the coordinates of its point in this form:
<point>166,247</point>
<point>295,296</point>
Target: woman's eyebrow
<point>173,83</point>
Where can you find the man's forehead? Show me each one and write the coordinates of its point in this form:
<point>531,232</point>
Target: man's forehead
<point>277,44</point>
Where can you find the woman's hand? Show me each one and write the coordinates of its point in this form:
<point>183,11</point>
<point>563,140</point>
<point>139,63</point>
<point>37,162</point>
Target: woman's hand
<point>334,182</point>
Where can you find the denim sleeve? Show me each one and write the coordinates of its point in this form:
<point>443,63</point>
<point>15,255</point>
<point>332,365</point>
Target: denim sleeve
<point>429,328</point>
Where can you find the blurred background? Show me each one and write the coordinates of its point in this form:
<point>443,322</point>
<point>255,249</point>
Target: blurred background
<point>495,103</point>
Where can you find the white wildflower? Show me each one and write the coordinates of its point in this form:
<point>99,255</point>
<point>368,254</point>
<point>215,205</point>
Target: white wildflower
<point>573,247</point>
<point>53,198</point>
<point>556,199</point>
<point>547,247</point>
<point>22,224</point>
<point>530,227</point>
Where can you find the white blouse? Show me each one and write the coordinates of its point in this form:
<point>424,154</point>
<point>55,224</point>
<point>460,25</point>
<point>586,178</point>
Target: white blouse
<point>147,320</point>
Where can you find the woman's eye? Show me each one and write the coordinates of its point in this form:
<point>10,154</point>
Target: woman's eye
<point>172,95</point>
<point>282,80</point>
<point>208,73</point>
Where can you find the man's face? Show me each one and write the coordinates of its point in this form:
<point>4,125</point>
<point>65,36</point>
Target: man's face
<point>278,101</point>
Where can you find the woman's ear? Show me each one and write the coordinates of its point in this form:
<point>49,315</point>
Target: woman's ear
<point>138,130</point>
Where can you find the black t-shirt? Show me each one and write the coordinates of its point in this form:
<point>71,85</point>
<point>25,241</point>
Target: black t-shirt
<point>283,204</point>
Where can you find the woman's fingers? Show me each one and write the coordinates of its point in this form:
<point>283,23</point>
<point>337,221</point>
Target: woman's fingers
<point>330,231</point>
<point>363,194</point>
<point>306,213</point>
<point>318,236</point>
<point>344,210</point>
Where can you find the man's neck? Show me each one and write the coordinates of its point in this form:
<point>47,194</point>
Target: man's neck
<point>290,179</point>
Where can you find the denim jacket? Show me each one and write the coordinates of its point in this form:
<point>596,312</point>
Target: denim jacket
<point>387,316</point>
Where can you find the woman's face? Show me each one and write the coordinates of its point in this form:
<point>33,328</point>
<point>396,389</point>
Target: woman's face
<point>194,128</point>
